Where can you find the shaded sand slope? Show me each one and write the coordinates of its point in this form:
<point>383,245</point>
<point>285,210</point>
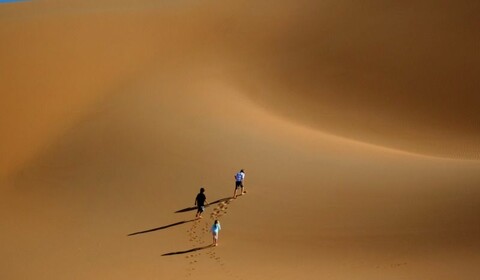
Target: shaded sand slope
<point>101,142</point>
<point>400,75</point>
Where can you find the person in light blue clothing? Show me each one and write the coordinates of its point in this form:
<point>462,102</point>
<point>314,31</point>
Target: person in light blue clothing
<point>215,229</point>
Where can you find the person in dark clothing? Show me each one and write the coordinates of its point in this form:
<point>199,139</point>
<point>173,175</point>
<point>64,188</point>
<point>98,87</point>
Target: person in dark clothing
<point>200,202</point>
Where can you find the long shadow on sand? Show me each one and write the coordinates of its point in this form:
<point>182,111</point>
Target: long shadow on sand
<point>188,251</point>
<point>160,228</point>
<point>195,207</point>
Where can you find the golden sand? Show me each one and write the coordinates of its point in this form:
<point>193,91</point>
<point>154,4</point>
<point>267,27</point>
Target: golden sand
<point>357,126</point>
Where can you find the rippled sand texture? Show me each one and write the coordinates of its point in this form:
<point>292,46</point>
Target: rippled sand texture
<point>357,125</point>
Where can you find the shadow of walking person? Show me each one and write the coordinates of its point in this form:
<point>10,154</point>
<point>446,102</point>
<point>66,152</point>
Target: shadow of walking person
<point>189,251</point>
<point>162,227</point>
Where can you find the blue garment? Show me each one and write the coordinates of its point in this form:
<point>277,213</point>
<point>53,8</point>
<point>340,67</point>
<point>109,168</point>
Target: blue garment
<point>240,176</point>
<point>216,228</point>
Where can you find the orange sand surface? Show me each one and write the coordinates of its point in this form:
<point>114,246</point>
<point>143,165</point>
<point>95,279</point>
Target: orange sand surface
<point>356,122</point>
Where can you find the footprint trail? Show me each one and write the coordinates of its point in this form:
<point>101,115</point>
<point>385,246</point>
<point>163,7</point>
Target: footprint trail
<point>199,235</point>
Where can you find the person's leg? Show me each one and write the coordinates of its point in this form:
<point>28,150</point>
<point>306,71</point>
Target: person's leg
<point>240,185</point>
<point>235,192</point>
<point>199,212</point>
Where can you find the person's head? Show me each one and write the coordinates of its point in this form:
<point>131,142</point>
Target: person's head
<point>241,170</point>
<point>216,222</point>
<point>202,190</point>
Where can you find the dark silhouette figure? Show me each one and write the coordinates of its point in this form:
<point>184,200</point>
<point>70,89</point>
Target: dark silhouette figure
<point>200,201</point>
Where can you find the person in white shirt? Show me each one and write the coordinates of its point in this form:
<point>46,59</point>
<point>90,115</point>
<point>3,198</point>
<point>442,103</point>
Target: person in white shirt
<point>239,177</point>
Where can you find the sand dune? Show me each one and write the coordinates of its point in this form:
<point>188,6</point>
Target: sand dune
<point>392,74</point>
<point>356,125</point>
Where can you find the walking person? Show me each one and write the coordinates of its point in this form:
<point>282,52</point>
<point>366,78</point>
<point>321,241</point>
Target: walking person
<point>239,177</point>
<point>215,229</point>
<point>200,202</point>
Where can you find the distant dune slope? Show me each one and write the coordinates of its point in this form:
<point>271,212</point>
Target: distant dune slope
<point>402,75</point>
<point>397,74</point>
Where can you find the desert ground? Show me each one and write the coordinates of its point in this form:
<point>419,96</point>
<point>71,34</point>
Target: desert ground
<point>356,122</point>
